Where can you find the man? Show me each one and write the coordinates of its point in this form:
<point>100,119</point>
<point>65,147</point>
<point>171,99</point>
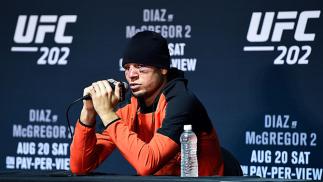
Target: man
<point>146,127</point>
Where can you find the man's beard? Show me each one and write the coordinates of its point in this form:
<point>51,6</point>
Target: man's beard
<point>138,95</point>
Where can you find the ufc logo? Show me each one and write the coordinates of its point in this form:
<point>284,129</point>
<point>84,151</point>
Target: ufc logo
<point>287,21</point>
<point>38,26</point>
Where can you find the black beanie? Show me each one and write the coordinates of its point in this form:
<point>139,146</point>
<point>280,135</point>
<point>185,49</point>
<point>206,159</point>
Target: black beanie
<point>148,48</point>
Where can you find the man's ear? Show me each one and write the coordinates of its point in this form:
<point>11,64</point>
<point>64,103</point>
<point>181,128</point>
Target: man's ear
<point>164,71</point>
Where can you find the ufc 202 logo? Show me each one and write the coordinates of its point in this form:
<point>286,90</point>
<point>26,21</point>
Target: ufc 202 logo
<point>32,30</point>
<point>272,30</point>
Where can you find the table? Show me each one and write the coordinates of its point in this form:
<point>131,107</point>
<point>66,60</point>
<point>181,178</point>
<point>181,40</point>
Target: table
<point>66,176</point>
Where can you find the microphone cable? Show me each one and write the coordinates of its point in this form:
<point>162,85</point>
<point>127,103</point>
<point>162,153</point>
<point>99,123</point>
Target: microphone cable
<point>67,115</point>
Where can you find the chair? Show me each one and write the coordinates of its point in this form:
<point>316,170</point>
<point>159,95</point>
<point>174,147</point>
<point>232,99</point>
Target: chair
<point>231,164</point>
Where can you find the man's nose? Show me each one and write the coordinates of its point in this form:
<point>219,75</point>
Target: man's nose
<point>133,72</point>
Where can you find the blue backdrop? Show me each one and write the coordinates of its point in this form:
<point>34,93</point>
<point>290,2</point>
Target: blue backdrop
<point>255,65</point>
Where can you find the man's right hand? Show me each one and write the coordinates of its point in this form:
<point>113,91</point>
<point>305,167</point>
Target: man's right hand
<point>88,112</point>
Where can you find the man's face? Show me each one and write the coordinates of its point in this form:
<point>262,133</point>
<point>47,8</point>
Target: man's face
<point>144,80</point>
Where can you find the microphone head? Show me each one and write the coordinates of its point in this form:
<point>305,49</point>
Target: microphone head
<point>124,87</point>
<point>113,82</point>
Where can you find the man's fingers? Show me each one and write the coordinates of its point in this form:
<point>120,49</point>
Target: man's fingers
<point>96,91</point>
<point>104,90</point>
<point>87,90</point>
<point>107,86</point>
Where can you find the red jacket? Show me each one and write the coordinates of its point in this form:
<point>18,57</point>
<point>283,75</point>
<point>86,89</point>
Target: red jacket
<point>148,137</point>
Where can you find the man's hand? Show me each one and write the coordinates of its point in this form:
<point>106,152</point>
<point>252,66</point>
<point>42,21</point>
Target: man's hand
<point>104,100</point>
<point>88,112</point>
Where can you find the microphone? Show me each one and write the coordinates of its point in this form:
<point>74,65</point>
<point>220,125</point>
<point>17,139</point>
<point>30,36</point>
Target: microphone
<point>112,82</point>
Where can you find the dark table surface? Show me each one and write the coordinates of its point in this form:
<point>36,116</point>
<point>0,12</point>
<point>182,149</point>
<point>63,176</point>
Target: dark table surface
<point>66,176</point>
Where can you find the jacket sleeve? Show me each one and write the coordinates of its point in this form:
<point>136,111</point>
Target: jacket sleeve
<point>146,158</point>
<point>88,149</point>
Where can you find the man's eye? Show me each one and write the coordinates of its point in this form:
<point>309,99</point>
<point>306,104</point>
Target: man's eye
<point>140,66</point>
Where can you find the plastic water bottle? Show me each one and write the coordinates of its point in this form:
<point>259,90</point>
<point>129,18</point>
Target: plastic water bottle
<point>189,164</point>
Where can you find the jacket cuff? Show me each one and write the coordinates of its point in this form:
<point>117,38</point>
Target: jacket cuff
<point>112,122</point>
<point>85,125</point>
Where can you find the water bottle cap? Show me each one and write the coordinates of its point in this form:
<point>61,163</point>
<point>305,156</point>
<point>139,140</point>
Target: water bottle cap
<point>187,127</point>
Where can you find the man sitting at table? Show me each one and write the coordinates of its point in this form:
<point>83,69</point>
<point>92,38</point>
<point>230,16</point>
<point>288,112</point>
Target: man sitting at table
<point>146,127</point>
